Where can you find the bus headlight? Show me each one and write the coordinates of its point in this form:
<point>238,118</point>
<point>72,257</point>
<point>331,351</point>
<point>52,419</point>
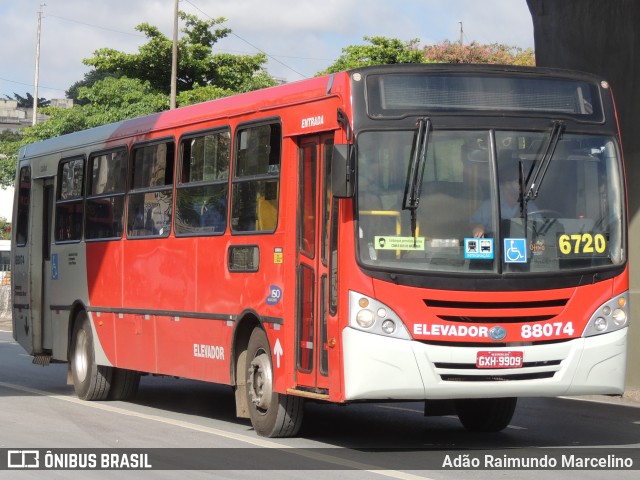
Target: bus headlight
<point>369,315</point>
<point>610,317</point>
<point>600,324</point>
<point>388,327</point>
<point>365,318</point>
<point>619,317</point>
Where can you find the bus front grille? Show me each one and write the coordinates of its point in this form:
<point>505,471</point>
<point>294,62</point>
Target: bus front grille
<point>496,311</point>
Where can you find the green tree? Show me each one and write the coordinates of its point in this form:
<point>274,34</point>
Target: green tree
<point>5,229</point>
<point>381,51</point>
<point>10,142</point>
<point>90,78</point>
<point>197,65</point>
<point>494,53</point>
<point>123,86</point>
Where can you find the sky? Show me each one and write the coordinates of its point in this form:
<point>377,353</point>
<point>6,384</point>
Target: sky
<point>300,37</point>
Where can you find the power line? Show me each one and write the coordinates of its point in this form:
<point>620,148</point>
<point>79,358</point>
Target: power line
<point>31,84</point>
<point>248,42</point>
<point>95,26</point>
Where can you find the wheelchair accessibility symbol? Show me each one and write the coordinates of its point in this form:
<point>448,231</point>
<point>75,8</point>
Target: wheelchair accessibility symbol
<point>515,250</point>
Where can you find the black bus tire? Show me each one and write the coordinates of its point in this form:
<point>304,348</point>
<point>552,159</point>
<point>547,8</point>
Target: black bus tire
<point>124,384</point>
<point>272,414</point>
<point>90,381</point>
<point>486,414</point>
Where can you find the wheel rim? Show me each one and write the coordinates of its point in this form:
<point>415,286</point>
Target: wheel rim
<point>80,360</point>
<point>260,382</point>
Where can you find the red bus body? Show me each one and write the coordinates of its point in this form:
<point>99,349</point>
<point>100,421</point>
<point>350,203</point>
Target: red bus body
<point>186,305</point>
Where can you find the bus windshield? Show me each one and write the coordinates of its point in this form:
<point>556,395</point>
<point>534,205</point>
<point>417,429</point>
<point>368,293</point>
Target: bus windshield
<point>471,216</point>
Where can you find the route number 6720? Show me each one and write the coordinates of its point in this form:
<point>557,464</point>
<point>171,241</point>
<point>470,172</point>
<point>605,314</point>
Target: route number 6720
<point>581,243</point>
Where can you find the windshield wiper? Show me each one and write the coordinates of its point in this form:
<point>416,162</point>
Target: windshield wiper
<point>540,166</point>
<point>416,172</point>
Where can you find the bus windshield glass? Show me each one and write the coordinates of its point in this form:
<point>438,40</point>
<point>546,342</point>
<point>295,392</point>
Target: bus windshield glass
<point>471,218</point>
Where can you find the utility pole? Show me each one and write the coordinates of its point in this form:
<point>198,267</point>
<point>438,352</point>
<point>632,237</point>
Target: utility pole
<point>174,59</point>
<point>37,74</point>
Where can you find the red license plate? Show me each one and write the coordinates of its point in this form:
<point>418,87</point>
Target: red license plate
<point>499,360</point>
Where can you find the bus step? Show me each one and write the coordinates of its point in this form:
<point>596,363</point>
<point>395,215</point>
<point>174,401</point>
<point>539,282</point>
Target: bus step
<point>43,360</point>
<point>308,394</point>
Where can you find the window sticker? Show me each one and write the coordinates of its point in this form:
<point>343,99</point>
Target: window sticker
<point>399,243</point>
<point>478,249</point>
<point>515,250</point>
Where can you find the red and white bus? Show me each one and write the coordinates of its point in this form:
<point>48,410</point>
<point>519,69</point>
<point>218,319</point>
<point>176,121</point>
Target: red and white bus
<point>449,234</point>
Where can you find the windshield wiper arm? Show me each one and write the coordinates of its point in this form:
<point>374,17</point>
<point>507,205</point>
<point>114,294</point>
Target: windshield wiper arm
<point>416,172</point>
<point>540,167</point>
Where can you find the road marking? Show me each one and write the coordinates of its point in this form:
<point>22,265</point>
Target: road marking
<point>256,441</point>
<point>604,399</point>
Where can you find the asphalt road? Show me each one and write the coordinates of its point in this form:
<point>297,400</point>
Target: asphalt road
<point>386,440</point>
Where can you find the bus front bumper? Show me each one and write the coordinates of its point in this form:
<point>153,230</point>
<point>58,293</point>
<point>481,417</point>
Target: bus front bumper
<point>382,368</point>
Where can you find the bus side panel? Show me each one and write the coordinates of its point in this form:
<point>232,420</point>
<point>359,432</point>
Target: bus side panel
<point>21,292</point>
<point>194,348</point>
<point>104,280</point>
<point>159,277</point>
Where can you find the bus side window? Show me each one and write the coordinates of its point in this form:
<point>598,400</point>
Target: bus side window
<point>69,202</point>
<point>256,180</point>
<point>201,196</point>
<point>150,199</point>
<point>105,195</point>
<point>24,201</point>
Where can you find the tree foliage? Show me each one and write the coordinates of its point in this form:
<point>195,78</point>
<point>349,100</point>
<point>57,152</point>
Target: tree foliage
<point>198,66</point>
<point>494,53</point>
<point>383,51</point>
<point>123,85</point>
<point>380,51</point>
<point>10,142</point>
<point>90,78</point>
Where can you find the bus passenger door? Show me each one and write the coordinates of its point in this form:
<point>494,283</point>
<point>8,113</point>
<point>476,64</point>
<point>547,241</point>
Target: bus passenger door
<point>49,271</point>
<point>31,280</point>
<point>311,340</point>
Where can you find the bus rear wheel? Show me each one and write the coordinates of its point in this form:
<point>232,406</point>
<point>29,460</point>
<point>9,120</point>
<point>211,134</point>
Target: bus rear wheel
<point>90,381</point>
<point>485,414</point>
<point>272,414</point>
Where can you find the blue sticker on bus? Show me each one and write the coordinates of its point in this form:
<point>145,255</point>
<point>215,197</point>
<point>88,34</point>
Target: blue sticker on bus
<point>275,294</point>
<point>478,248</point>
<point>54,266</point>
<point>515,250</point>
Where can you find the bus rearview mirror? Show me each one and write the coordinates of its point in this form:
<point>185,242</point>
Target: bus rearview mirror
<point>342,172</point>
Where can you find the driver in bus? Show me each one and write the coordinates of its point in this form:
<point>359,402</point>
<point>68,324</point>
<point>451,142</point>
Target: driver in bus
<point>482,220</point>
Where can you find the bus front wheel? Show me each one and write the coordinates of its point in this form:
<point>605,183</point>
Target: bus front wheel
<point>90,381</point>
<point>485,414</point>
<point>272,414</point>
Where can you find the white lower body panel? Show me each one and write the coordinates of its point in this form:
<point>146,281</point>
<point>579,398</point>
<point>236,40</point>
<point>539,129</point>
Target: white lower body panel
<point>379,368</point>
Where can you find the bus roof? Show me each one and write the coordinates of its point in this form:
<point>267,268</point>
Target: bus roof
<point>228,107</point>
<point>262,101</point>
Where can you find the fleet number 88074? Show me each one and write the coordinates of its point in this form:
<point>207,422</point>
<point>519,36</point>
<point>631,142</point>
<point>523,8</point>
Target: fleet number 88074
<point>541,330</point>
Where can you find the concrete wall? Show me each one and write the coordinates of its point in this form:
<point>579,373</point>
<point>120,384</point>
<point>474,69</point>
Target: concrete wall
<point>603,37</point>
